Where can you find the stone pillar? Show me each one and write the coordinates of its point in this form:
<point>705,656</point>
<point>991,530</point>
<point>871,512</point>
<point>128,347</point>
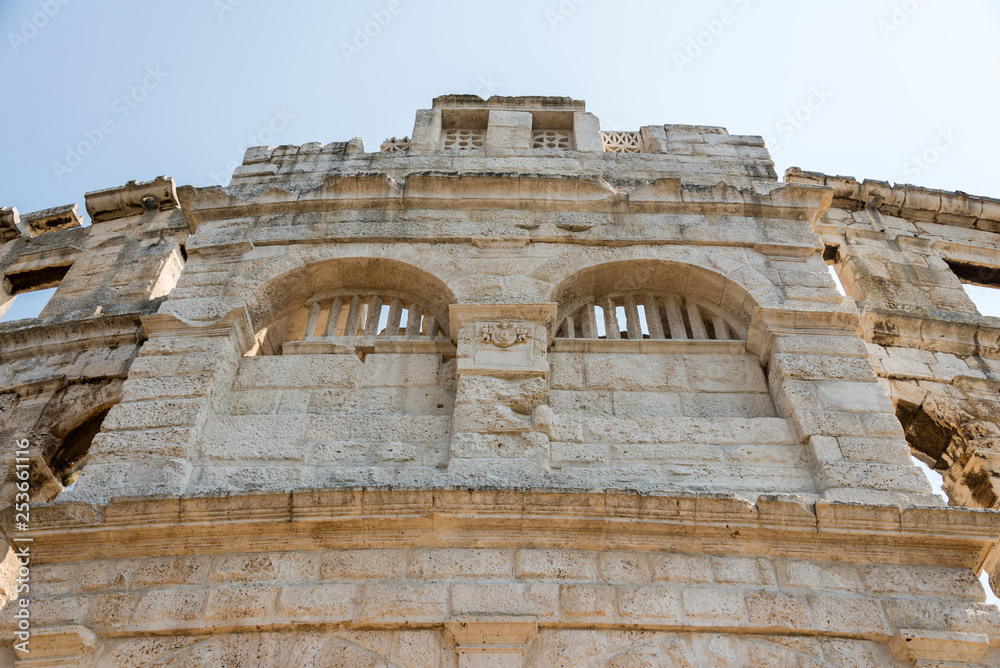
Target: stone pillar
<point>822,381</point>
<point>492,642</point>
<point>509,130</point>
<point>426,132</point>
<point>501,414</point>
<point>587,133</point>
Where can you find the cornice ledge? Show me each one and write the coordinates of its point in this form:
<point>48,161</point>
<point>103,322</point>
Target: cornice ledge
<point>769,323</point>
<point>319,519</point>
<point>925,331</point>
<point>60,337</point>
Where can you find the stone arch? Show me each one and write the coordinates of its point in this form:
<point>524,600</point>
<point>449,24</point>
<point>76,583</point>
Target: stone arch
<point>951,436</point>
<point>65,430</point>
<point>275,290</point>
<point>640,275</point>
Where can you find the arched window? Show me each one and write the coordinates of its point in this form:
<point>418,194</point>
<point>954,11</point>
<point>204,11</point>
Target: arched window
<point>648,315</point>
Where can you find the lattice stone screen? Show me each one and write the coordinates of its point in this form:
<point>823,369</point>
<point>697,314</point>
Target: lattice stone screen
<point>394,145</point>
<point>463,140</point>
<point>353,315</point>
<point>558,139</point>
<point>622,142</point>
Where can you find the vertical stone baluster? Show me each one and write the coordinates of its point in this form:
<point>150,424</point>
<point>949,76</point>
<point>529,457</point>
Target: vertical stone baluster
<point>430,326</point>
<point>588,322</point>
<point>698,330</point>
<point>373,315</point>
<point>353,317</point>
<point>632,322</point>
<point>333,318</point>
<point>395,315</point>
<point>675,318</point>
<point>653,320</point>
<point>569,328</point>
<point>413,321</point>
<point>721,329</point>
<point>312,321</point>
<point>612,329</point>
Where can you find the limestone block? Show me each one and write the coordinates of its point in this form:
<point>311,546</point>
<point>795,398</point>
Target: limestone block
<point>719,404</point>
<point>903,478</point>
<point>57,218</point>
<point>101,482</point>
<point>459,564</point>
<point>254,437</point>
<point>662,373</point>
<point>155,415</point>
<point>516,445</point>
<point>537,600</point>
<point>717,431</point>
<point>371,564</point>
<point>743,571</point>
<point>111,611</point>
<point>816,367</point>
<point>646,404</point>
<point>266,567</point>
<point>409,370</point>
<point>811,575</point>
<point>654,138</point>
<point>587,133</point>
<point>853,396</point>
<point>875,449</point>
<point>379,428</point>
<point>846,614</point>
<point>165,571</point>
<point>679,568</point>
<point>426,132</point>
<point>522,395</point>
<point>583,403</point>
<point>705,606</point>
<point>509,130</point>
<point>622,567</point>
<point>168,608</point>
<point>240,603</point>
<point>649,605</point>
<point>555,565</point>
<point>103,575</point>
<point>410,604</point>
<point>587,603</point>
<point>771,609</point>
<point>566,371</point>
<point>490,419</point>
<point>366,401</point>
<point>299,371</point>
<point>326,603</point>
<point>578,453</point>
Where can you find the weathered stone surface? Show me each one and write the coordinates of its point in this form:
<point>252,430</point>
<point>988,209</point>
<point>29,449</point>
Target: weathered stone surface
<point>513,392</point>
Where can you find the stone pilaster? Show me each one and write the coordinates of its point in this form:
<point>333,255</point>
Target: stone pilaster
<point>501,413</point>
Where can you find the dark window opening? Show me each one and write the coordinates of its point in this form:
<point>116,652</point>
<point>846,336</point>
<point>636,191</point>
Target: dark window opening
<point>37,279</point>
<point>65,461</point>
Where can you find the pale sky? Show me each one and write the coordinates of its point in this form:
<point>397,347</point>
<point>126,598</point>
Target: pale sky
<point>98,94</point>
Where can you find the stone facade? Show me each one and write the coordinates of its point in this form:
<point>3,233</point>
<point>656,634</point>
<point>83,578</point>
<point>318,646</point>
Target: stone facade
<point>511,391</point>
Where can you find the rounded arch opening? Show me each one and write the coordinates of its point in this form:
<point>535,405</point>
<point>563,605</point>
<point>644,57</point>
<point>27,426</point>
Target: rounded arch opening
<point>652,299</point>
<point>348,297</point>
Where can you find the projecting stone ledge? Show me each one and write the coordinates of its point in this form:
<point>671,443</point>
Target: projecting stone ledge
<point>51,220</point>
<point>132,199</point>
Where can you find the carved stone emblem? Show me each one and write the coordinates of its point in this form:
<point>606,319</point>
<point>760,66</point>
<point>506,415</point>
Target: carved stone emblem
<point>503,335</point>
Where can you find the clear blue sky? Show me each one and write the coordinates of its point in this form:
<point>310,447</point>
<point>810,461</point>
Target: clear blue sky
<point>101,93</point>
